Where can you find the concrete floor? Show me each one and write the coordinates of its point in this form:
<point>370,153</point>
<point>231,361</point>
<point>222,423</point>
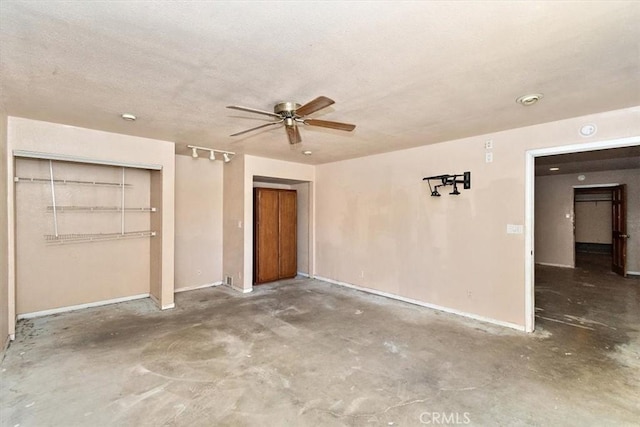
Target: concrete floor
<point>307,353</point>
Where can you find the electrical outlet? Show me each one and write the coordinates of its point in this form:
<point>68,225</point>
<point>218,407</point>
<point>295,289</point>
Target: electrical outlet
<point>488,157</point>
<point>488,144</point>
<point>229,281</point>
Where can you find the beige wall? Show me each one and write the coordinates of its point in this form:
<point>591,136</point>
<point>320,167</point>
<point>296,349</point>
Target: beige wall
<point>4,271</point>
<point>198,249</point>
<point>31,135</point>
<point>377,227</point>
<point>593,222</point>
<point>156,244</point>
<point>304,226</point>
<point>51,276</point>
<point>554,202</point>
<point>233,256</point>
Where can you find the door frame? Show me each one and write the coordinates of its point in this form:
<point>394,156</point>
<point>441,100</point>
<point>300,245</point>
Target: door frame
<point>264,180</point>
<point>529,220</point>
<point>619,233</point>
<point>603,187</point>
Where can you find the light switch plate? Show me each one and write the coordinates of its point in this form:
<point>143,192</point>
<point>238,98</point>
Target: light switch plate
<point>515,229</point>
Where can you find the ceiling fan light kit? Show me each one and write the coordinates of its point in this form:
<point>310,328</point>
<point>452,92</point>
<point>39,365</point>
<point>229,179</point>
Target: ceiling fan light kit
<point>291,114</point>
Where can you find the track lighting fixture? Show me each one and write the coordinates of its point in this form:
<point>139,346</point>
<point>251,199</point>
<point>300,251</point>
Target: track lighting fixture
<point>226,155</point>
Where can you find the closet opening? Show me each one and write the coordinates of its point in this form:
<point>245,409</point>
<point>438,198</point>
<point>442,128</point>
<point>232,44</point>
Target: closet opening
<point>281,232</point>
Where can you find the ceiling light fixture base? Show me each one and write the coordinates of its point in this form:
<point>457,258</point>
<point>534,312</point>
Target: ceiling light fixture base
<point>529,99</point>
<point>588,130</point>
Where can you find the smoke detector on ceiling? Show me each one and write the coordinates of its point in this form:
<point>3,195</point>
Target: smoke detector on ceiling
<point>529,99</point>
<point>588,130</point>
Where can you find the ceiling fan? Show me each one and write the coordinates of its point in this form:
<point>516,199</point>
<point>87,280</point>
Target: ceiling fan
<point>292,114</point>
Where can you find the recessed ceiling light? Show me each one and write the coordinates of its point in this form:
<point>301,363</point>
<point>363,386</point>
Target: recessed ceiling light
<point>554,169</point>
<point>529,99</point>
<point>307,153</point>
<point>128,117</point>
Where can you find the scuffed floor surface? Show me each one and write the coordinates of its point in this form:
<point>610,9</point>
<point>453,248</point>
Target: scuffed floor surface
<point>306,353</point>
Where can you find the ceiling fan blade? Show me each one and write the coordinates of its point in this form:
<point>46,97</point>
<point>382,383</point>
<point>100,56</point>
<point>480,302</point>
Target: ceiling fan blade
<point>294,134</point>
<point>330,124</point>
<point>312,106</point>
<point>253,110</point>
<point>256,128</point>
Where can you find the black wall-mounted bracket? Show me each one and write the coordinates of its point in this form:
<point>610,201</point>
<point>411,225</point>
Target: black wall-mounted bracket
<point>444,180</point>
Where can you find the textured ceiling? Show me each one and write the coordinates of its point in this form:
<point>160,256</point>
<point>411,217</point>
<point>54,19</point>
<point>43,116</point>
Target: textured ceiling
<point>406,73</point>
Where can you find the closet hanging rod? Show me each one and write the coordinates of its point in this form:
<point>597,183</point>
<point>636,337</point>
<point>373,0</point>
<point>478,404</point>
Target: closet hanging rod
<point>99,237</point>
<point>98,209</point>
<point>70,181</point>
<point>78,159</point>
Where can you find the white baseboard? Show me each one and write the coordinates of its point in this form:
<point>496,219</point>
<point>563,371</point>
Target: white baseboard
<point>193,288</point>
<point>424,304</point>
<point>80,306</point>
<point>548,264</point>
<point>242,290</point>
<point>299,273</point>
<point>168,306</point>
<point>633,273</point>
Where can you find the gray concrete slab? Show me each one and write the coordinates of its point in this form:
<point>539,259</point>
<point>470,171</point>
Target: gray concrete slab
<point>307,353</point>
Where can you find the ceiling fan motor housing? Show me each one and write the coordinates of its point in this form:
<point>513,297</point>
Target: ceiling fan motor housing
<point>286,109</point>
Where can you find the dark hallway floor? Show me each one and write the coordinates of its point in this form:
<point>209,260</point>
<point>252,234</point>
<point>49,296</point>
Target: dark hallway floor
<point>589,297</point>
<point>307,353</point>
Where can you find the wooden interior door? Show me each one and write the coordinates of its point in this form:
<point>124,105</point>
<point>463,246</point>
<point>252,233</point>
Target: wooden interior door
<point>275,235</point>
<point>266,244</point>
<point>287,234</point>
<point>619,230</point>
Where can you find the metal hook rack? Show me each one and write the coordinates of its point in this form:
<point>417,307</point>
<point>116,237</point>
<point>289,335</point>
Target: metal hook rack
<point>449,179</point>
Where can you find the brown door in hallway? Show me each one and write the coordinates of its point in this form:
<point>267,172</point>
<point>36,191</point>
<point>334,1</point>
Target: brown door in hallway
<point>619,230</point>
<point>275,239</point>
